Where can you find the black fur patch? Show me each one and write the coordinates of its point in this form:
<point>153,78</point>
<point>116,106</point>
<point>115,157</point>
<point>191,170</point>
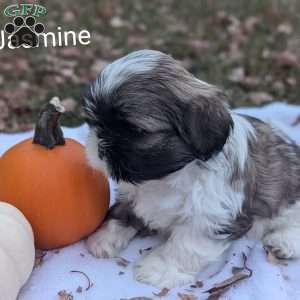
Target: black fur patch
<point>134,153</point>
<point>206,127</point>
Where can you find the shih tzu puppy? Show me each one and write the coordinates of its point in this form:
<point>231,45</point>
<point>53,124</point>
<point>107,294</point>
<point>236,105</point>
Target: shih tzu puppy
<point>188,167</point>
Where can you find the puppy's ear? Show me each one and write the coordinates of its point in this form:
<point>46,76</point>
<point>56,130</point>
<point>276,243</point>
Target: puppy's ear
<point>205,127</point>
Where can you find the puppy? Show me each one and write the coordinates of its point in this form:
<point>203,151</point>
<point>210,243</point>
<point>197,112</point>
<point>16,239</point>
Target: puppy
<point>187,167</point>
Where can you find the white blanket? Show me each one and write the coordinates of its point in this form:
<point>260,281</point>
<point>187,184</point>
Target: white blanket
<point>268,281</point>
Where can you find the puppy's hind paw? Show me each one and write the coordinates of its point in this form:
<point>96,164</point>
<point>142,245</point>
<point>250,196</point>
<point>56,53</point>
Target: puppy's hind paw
<point>279,247</point>
<point>155,271</point>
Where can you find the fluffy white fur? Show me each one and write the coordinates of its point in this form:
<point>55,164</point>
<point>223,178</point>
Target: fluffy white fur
<point>136,62</point>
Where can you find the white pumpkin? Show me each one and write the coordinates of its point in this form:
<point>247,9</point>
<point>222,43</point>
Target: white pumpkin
<point>17,251</point>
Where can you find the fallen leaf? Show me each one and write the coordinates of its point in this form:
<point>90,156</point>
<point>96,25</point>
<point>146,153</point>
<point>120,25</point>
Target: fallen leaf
<point>250,23</point>
<point>235,54</point>
<point>136,41</point>
<point>79,290</point>
<point>141,251</point>
<point>63,295</point>
<point>162,293</point>
<point>284,28</point>
<point>22,65</point>
<point>291,81</point>
<point>266,53</point>
<point>216,295</point>
<point>228,282</point>
<point>218,289</point>
<point>70,52</point>
<point>237,74</point>
<point>69,17</point>
<point>259,98</point>
<point>116,22</point>
<point>187,296</point>
<point>278,86</point>
<point>198,284</point>
<point>285,58</point>
<point>87,277</point>
<point>223,18</point>
<point>39,257</point>
<point>199,44</point>
<point>122,262</point>
<point>236,270</point>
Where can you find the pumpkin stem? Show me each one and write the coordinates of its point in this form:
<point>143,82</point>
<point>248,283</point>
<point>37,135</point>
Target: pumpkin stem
<point>47,130</point>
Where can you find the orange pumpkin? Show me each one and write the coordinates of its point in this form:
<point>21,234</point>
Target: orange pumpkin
<point>49,180</point>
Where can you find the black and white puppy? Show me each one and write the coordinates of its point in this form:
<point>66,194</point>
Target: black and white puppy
<point>188,167</point>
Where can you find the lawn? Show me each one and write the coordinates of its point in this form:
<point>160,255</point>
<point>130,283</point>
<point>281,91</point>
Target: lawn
<point>249,48</point>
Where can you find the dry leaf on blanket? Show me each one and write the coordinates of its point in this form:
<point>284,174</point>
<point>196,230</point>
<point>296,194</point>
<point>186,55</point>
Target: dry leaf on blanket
<point>63,295</point>
<point>87,278</point>
<point>141,251</point>
<point>39,257</point>
<point>271,258</point>
<point>198,284</point>
<point>187,296</point>
<point>217,295</point>
<point>236,270</point>
<point>219,288</point>
<point>122,262</point>
<point>285,58</point>
<point>162,293</point>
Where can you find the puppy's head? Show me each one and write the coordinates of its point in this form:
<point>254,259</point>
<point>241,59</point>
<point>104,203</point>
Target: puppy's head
<point>149,117</point>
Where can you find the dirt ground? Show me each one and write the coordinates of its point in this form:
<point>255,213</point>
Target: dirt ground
<point>250,48</point>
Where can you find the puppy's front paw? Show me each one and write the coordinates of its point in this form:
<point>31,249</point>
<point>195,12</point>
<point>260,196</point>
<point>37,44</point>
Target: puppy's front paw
<point>280,246</point>
<point>109,240</point>
<point>99,246</point>
<point>154,270</point>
